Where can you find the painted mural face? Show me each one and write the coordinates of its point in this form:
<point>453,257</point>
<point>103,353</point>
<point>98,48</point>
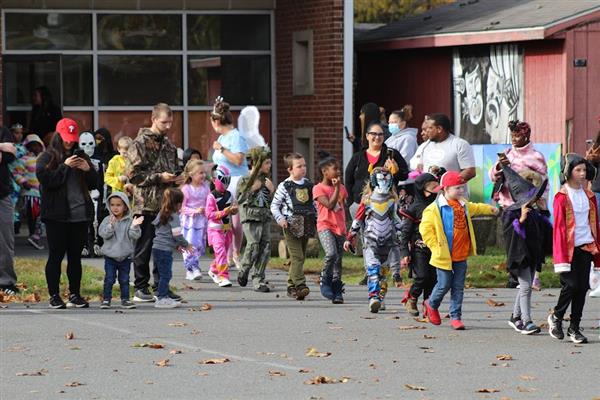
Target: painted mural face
<point>87,143</point>
<point>474,98</point>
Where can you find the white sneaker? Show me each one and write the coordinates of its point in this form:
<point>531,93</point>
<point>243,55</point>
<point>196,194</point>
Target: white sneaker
<point>189,275</point>
<point>166,302</point>
<point>374,305</point>
<point>224,282</point>
<point>213,276</point>
<point>196,275</point>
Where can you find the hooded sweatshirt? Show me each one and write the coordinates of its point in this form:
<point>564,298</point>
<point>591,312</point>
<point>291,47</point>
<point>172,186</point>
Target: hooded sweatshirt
<point>404,142</point>
<point>120,237</point>
<point>168,236</point>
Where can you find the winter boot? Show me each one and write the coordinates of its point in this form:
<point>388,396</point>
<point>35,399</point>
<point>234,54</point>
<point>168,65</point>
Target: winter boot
<point>338,290</point>
<point>326,286</point>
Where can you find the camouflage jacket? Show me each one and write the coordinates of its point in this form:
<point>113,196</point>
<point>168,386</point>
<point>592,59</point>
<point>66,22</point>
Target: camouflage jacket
<point>149,155</point>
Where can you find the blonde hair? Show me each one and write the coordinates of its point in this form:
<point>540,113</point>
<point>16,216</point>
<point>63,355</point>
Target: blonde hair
<point>190,168</point>
<point>124,142</point>
<point>160,109</point>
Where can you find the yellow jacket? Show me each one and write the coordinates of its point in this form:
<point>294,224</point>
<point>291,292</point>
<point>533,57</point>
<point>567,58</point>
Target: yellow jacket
<point>116,168</point>
<point>434,236</point>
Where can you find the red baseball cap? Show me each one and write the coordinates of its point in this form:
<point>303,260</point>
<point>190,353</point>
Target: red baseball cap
<point>450,178</point>
<point>68,130</point>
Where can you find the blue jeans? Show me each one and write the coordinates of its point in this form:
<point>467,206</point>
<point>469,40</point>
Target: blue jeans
<point>163,260</point>
<point>455,282</point>
<point>111,268</point>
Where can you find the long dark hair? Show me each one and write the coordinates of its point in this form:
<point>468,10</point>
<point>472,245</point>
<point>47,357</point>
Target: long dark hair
<point>47,101</point>
<point>171,203</point>
<point>57,152</point>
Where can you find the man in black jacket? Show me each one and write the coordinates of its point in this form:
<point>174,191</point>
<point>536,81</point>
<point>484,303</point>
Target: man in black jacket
<point>8,278</point>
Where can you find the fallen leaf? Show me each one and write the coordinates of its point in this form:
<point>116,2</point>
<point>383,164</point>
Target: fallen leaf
<point>428,337</point>
<point>525,390</point>
<point>422,320</point>
<point>32,298</point>
<point>345,379</point>
<point>312,352</point>
<point>189,287</point>
<point>373,366</point>
<point>175,351</point>
<point>74,384</point>
<point>367,317</point>
<point>16,349</point>
<point>69,336</point>
<point>206,307</point>
<point>415,387</point>
<point>321,379</point>
<point>575,352</point>
<point>305,370</point>
<point>41,372</point>
<point>335,328</point>
<point>162,363</point>
<point>195,332</point>
<point>527,378</point>
<point>409,327</point>
<point>392,317</point>
<point>494,303</point>
<point>504,357</point>
<point>214,361</point>
<point>486,390</point>
<point>276,373</point>
<point>75,348</point>
<point>149,345</point>
<point>177,324</point>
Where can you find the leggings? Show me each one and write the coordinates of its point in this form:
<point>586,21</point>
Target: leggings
<point>69,238</point>
<point>523,301</point>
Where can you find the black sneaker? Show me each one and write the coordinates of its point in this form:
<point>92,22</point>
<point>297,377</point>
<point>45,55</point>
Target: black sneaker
<point>10,290</point>
<point>105,304</point>
<point>555,327</point>
<point>291,292</point>
<point>76,301</point>
<point>56,302</point>
<point>143,296</point>
<point>516,323</point>
<point>242,280</point>
<point>127,304</point>
<point>262,289</point>
<point>173,296</point>
<point>574,333</point>
<point>301,292</point>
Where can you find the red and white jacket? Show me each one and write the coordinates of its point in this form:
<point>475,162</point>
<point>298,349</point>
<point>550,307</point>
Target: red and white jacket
<point>563,240</point>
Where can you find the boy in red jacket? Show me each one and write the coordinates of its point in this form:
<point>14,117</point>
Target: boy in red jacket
<point>575,244</point>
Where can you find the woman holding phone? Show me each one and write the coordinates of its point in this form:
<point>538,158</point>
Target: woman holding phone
<point>66,176</point>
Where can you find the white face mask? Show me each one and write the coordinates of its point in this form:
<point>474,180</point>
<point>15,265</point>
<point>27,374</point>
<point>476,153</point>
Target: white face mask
<point>87,143</point>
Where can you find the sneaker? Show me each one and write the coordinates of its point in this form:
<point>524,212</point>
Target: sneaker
<point>457,325</point>
<point>143,296</point>
<point>76,301</point>
<point>166,302</point>
<point>555,327</point>
<point>262,289</point>
<point>516,323</point>
<point>574,333</point>
<point>56,302</point>
<point>537,284</point>
<point>374,305</point>
<point>105,304</point>
<point>197,274</point>
<point>411,306</point>
<point>224,282</point>
<point>291,292</point>
<point>433,315</point>
<point>125,303</point>
<point>382,306</point>
<point>530,328</point>
<point>242,279</point>
<point>173,296</point>
<point>189,276</point>
<point>213,276</point>
<point>301,292</point>
<point>35,242</point>
<point>10,290</point>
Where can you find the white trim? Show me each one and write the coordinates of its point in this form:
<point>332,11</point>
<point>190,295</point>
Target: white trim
<point>273,108</point>
<point>184,81</point>
<point>347,147</point>
<point>562,267</point>
<point>77,109</point>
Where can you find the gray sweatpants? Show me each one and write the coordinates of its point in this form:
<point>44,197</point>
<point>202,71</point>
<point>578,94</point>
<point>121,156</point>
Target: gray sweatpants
<point>7,244</point>
<point>523,300</point>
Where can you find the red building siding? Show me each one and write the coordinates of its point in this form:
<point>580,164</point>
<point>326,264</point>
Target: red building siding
<point>322,111</point>
<point>391,79</point>
<point>545,90</point>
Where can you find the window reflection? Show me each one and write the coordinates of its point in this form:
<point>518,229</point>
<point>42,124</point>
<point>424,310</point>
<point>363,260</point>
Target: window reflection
<point>48,31</point>
<point>139,32</point>
<point>228,32</point>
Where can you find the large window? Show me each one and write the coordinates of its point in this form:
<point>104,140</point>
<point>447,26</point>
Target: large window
<point>135,59</point>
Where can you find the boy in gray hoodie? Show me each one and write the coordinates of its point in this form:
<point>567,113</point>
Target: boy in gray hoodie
<point>120,232</point>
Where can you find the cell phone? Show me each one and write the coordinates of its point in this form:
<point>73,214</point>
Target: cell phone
<point>501,154</point>
<point>79,153</point>
<point>390,154</point>
<point>347,132</point>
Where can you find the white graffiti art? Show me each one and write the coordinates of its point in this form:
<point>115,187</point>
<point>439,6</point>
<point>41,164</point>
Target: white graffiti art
<point>488,92</point>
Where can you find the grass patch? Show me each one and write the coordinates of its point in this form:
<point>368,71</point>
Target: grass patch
<point>485,271</point>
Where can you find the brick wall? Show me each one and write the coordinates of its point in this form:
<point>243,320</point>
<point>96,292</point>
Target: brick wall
<point>322,111</point>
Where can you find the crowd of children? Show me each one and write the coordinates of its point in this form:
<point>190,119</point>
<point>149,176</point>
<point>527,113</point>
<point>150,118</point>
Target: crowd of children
<point>423,224</point>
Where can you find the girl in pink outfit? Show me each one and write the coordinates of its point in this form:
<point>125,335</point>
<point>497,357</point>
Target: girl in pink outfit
<point>219,208</point>
<point>192,216</point>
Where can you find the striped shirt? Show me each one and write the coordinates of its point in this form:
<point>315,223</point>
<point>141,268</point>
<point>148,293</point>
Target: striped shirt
<point>282,206</point>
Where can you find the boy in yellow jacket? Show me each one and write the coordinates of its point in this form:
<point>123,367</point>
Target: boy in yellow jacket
<point>447,230</point>
<point>115,176</point>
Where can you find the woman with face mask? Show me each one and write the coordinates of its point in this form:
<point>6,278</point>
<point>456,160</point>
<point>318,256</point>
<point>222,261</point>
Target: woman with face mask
<point>403,139</point>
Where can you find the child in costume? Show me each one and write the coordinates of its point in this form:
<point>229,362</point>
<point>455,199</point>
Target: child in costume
<point>115,176</point>
<point>447,230</point>
<point>219,208</point>
<point>193,217</point>
<point>87,143</point>
<point>377,216</point>
<point>254,197</point>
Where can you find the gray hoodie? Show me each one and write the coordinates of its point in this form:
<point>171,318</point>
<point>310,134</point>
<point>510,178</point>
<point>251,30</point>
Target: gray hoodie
<point>169,236</point>
<point>120,237</point>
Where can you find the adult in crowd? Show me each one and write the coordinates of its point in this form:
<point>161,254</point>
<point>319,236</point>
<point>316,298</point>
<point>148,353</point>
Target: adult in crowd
<point>191,154</point>
<point>8,277</point>
<point>44,114</point>
<point>415,163</point>
<point>522,158</point>
<point>369,113</point>
<point>153,167</point>
<point>66,177</point>
<point>403,138</point>
<point>593,155</point>
<point>446,150</point>
<point>230,150</point>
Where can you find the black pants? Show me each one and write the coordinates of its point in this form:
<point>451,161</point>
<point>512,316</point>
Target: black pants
<point>142,254</point>
<point>425,276</point>
<point>574,286</point>
<point>69,238</point>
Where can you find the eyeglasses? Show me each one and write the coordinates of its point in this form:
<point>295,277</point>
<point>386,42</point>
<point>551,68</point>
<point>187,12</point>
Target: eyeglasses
<point>375,133</point>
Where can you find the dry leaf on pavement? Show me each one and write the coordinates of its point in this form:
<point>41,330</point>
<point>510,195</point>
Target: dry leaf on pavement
<point>494,303</point>
<point>206,307</point>
<point>525,390</point>
<point>69,336</point>
<point>504,357</point>
<point>177,324</point>
<point>312,352</point>
<point>162,363</point>
<point>175,351</point>
<point>409,327</point>
<point>415,387</point>
<point>214,361</point>
<point>276,373</point>
<point>41,372</point>
<point>304,370</point>
<point>74,384</point>
<point>527,378</point>
<point>486,390</point>
<point>149,345</point>
<point>321,379</point>
<point>32,298</point>
<point>428,337</point>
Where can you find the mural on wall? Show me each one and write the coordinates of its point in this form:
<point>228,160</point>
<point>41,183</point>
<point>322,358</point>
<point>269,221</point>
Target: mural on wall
<point>488,91</point>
